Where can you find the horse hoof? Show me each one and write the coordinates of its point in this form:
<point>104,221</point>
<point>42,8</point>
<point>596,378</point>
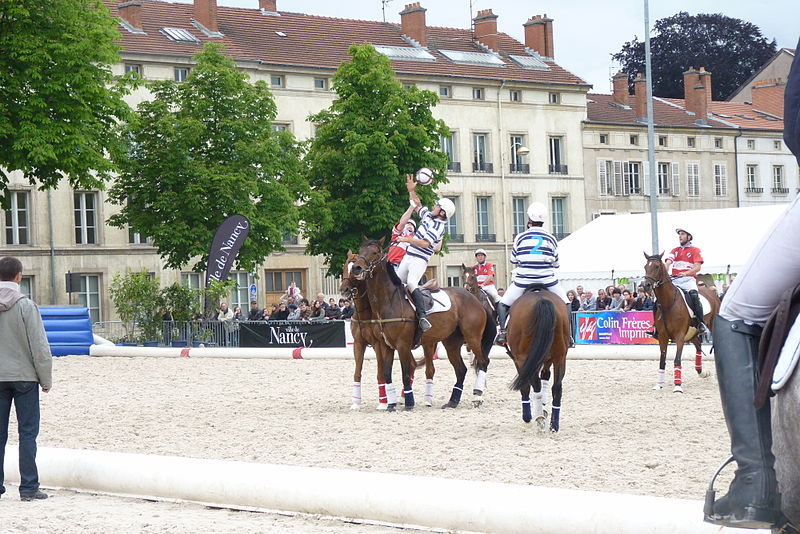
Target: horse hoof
<point>391,407</point>
<point>658,387</point>
<point>677,389</point>
<point>704,374</point>
<point>541,424</point>
<point>450,404</point>
<point>428,402</point>
<point>355,407</point>
<point>408,408</point>
<point>381,407</point>
<point>477,403</point>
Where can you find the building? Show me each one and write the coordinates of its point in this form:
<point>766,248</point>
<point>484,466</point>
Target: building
<point>777,68</point>
<point>498,96</point>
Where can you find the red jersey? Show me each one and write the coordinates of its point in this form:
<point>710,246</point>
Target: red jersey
<point>483,272</point>
<point>683,259</point>
<point>397,250</point>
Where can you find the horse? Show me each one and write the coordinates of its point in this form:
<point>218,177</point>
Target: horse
<point>465,321</point>
<point>470,281</point>
<point>672,321</point>
<point>786,446</point>
<point>366,331</point>
<point>538,339</point>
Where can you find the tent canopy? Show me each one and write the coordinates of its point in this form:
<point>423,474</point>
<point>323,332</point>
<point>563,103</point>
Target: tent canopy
<point>615,243</point>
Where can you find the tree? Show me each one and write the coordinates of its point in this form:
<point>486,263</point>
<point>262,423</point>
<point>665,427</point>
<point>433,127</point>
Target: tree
<point>203,150</point>
<point>366,141</point>
<point>59,102</point>
<point>138,301</point>
<point>731,49</point>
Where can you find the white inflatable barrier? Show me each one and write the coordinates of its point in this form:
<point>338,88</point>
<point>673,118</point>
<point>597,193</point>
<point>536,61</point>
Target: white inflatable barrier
<point>453,505</point>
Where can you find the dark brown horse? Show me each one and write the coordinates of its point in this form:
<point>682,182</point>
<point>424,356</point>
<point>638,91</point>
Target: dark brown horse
<point>672,320</point>
<point>470,281</point>
<point>538,340</point>
<point>465,321</point>
<point>366,331</point>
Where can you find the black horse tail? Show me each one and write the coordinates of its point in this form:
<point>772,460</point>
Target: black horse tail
<point>542,336</point>
<point>487,340</point>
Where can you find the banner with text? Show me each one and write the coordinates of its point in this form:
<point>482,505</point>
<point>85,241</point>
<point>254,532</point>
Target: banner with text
<point>277,334</point>
<point>614,327</point>
<point>225,246</point>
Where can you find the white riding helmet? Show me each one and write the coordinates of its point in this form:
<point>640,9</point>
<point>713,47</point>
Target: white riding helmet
<point>480,251</point>
<point>448,206</point>
<point>687,232</point>
<point>537,212</point>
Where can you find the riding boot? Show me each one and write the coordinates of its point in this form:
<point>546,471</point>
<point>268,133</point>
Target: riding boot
<point>752,500</point>
<point>502,317</point>
<point>697,308</point>
<point>654,331</point>
<point>422,316</point>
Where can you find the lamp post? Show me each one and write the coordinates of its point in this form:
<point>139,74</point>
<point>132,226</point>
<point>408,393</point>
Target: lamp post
<point>517,149</point>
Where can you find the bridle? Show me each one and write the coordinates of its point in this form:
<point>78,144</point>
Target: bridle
<point>655,282</point>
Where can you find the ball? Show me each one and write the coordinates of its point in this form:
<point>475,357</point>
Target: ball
<point>424,176</point>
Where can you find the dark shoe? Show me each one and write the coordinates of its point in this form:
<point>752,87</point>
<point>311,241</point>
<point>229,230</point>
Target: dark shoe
<point>501,338</point>
<point>38,496</point>
<point>752,500</point>
<point>652,333</point>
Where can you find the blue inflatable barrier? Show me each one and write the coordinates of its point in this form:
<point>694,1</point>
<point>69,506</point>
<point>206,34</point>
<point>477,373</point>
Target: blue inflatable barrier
<point>68,328</point>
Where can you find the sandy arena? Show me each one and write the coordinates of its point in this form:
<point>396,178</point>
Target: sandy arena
<point>616,434</point>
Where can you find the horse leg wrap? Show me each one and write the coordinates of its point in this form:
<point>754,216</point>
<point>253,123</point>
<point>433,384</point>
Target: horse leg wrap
<point>678,381</point>
<point>356,393</point>
<point>538,410</point>
<point>480,383</point>
<point>391,394</point>
<point>545,392</point>
<point>660,379</point>
<point>382,392</point>
<point>455,396</point>
<point>526,409</point>
<point>408,397</point>
<point>429,390</point>
<point>698,361</point>
<point>555,418</point>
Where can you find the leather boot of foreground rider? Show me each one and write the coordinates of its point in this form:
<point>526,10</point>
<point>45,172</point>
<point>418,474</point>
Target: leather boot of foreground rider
<point>697,308</point>
<point>502,317</point>
<point>422,316</point>
<point>752,500</point>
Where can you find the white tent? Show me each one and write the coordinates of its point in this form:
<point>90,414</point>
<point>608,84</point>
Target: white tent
<point>610,247</point>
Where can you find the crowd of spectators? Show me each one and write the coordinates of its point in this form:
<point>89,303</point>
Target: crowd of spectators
<point>611,298</point>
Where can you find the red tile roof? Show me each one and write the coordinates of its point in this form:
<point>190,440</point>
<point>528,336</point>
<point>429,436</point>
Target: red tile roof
<point>322,42</point>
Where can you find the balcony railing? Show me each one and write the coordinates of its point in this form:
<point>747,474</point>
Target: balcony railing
<point>485,238</point>
<point>780,190</point>
<point>290,240</point>
<point>557,169</point>
<point>520,168</point>
<point>456,238</point>
<point>482,167</point>
<point>454,166</point>
<point>754,190</point>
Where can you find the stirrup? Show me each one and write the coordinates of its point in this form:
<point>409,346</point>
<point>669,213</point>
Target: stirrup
<point>752,517</point>
<point>424,324</point>
<point>500,339</point>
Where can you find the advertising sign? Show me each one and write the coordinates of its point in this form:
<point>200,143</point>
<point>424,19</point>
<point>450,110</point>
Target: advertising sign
<point>626,328</point>
<point>225,246</point>
<point>292,334</point>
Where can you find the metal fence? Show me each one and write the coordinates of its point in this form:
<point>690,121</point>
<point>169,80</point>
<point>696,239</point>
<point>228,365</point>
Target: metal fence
<point>172,334</point>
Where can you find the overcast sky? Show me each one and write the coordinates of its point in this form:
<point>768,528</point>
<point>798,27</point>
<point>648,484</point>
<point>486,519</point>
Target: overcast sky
<point>586,32</point>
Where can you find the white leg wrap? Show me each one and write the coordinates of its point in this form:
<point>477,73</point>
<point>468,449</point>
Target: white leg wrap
<point>429,389</point>
<point>391,394</point>
<point>545,392</point>
<point>480,380</point>
<point>356,393</point>
<point>537,410</point>
<point>660,377</point>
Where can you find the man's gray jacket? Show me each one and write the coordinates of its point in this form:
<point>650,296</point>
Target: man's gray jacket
<point>24,351</point>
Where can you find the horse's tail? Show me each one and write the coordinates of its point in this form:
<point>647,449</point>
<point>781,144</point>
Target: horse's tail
<point>487,340</point>
<point>542,335</point>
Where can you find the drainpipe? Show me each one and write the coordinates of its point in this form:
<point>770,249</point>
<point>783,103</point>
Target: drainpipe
<point>736,165</point>
<point>52,248</point>
<point>502,178</point>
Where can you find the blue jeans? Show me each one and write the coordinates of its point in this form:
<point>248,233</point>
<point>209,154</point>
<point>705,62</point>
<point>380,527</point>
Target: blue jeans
<point>25,396</point>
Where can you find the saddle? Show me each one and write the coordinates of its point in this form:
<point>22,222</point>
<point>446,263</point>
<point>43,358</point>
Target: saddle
<point>776,339</point>
<point>536,287</point>
<point>433,297</point>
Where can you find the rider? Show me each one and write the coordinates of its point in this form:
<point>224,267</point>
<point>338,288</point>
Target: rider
<point>535,255</point>
<point>421,245</point>
<point>484,272</point>
<point>686,261</point>
<point>404,227</point>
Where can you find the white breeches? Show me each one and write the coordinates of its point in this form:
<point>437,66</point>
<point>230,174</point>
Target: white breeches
<point>514,292</point>
<point>687,283</point>
<point>411,270</point>
<point>491,290</point>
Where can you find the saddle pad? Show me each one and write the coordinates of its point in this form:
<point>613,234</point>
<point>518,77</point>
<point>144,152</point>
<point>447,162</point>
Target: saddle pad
<point>441,302</point>
<point>787,360</point>
<point>703,301</point>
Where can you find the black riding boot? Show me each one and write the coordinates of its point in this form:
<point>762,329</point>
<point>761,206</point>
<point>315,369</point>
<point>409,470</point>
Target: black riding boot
<point>422,316</point>
<point>752,500</point>
<point>654,331</point>
<point>502,317</point>
<point>697,308</point>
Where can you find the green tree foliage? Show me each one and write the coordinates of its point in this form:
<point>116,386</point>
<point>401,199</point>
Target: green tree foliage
<point>372,135</point>
<point>139,302</point>
<point>182,302</point>
<point>59,102</point>
<point>731,49</point>
<point>203,150</point>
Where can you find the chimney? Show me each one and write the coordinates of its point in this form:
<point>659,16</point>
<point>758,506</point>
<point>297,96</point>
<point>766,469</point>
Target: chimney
<point>696,93</point>
<point>412,19</point>
<point>205,12</point>
<point>486,29</point>
<point>768,96</point>
<point>621,92</point>
<point>539,35</point>
<point>705,79</point>
<point>270,6</point>
<point>640,96</point>
<point>131,12</point>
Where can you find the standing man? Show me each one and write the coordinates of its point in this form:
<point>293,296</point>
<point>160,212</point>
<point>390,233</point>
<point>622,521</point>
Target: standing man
<point>535,255</point>
<point>686,261</point>
<point>484,272</point>
<point>25,365</point>
<point>421,245</point>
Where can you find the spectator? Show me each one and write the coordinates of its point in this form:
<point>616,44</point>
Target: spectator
<point>268,311</point>
<point>579,292</point>
<point>281,313</point>
<point>237,314</point>
<point>317,311</point>
<point>321,300</point>
<point>603,300</point>
<point>294,312</point>
<point>617,301</point>
<point>255,313</point>
<point>501,291</point>
<point>238,317</point>
<point>629,301</point>
<point>305,310</point>
<point>622,289</point>
<point>574,302</point>
<point>292,293</point>
<point>348,309</point>
<point>588,302</point>
<point>643,301</point>
<point>333,311</point>
<point>610,291</point>
<point>225,316</point>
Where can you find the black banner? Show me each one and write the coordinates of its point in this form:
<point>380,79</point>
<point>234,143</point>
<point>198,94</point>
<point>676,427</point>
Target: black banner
<point>292,334</point>
<point>225,246</point>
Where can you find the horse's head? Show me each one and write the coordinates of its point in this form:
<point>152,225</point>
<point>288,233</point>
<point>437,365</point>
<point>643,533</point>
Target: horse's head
<point>655,272</point>
<point>348,285</point>
<point>469,279</point>
<point>369,255</point>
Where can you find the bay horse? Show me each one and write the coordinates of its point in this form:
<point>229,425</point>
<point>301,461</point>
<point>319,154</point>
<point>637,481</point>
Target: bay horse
<point>366,331</point>
<point>465,321</point>
<point>672,321</point>
<point>538,340</point>
<point>470,281</point>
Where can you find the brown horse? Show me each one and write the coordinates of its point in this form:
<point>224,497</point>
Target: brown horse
<point>366,331</point>
<point>470,280</point>
<point>672,320</point>
<point>466,320</point>
<point>538,340</point>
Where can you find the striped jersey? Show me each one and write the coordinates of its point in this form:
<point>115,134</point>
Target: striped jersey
<point>535,255</point>
<point>431,230</point>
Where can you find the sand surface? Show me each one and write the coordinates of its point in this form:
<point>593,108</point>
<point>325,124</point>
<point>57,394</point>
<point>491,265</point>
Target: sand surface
<point>616,433</point>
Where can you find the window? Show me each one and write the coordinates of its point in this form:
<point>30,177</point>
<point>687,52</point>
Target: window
<point>751,173</point>
<point>518,160</point>
<point>453,276</point>
<point>717,142</point>
<point>85,209</point>
<point>479,153</point>
<point>554,98</point>
<point>240,295</point>
<point>192,280</point>
<point>445,91</point>
<point>558,217</point>
<point>557,165</point>
<point>751,144</point>
<point>777,144</point>
<point>135,238</point>
<point>690,142</point>
<point>276,282</point>
<point>478,93</point>
<point>321,84</point>
<point>515,95</point>
<point>276,81</point>
<point>519,215</point>
<point>632,177</point>
<point>634,139</point>
<point>452,226</point>
<point>664,175</point>
<point>89,296</point>
<point>17,216</point>
<point>603,139</point>
<point>662,140</point>
<point>408,86</point>
<point>26,286</point>
<point>693,179</point>
<point>604,175</point>
<point>447,143</point>
<point>134,67</point>
<point>778,182</point>
<point>280,127</point>
<point>720,180</point>
<point>483,221</point>
<point>180,74</point>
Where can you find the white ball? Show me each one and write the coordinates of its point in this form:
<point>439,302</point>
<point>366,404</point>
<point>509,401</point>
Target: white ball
<point>424,176</point>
